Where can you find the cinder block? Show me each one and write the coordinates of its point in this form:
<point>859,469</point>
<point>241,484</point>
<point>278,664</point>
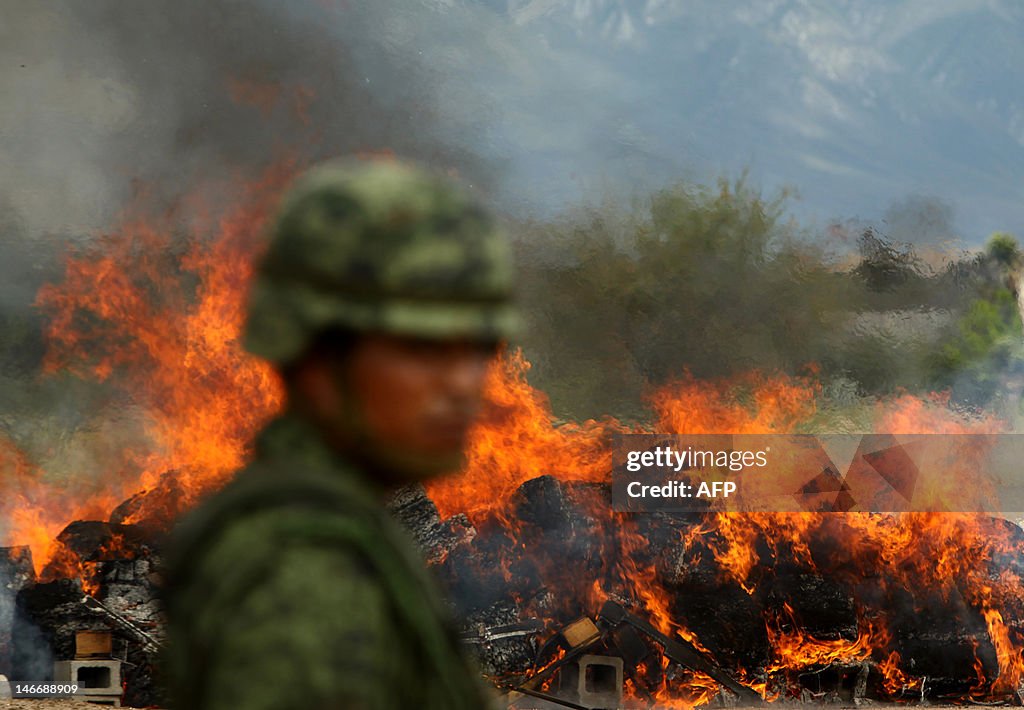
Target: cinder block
<point>594,681</point>
<point>98,681</point>
<point>600,681</point>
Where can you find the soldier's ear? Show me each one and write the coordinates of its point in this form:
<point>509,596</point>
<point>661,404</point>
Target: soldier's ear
<point>313,386</point>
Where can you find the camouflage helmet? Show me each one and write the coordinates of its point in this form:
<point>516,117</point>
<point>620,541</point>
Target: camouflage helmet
<point>379,246</point>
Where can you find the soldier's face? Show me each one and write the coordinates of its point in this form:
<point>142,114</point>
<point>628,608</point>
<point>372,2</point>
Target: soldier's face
<point>419,395</point>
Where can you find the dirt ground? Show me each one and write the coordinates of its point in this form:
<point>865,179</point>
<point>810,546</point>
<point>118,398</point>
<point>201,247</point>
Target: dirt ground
<point>49,705</point>
<point>81,705</point>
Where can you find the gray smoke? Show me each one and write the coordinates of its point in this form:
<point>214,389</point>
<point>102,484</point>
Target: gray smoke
<point>532,101</point>
<point>100,95</point>
<point>105,105</point>
<point>102,102</point>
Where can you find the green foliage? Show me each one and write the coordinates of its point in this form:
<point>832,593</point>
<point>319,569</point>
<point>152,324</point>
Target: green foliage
<point>982,353</point>
<point>715,281</point>
<point>984,347</point>
<point>710,281</point>
<point>1003,248</point>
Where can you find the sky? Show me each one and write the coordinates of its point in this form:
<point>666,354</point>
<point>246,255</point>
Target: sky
<point>859,107</point>
<point>866,109</point>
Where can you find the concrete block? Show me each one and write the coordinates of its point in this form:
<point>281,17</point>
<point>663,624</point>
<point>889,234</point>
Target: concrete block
<point>593,681</point>
<point>98,681</point>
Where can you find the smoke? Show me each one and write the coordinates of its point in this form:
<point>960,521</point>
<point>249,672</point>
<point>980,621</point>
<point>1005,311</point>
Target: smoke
<point>170,94</point>
<point>32,654</point>
<point>103,107</point>
<point>920,219</point>
<point>15,573</point>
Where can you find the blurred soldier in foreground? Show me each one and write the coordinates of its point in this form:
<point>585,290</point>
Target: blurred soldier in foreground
<point>381,301</point>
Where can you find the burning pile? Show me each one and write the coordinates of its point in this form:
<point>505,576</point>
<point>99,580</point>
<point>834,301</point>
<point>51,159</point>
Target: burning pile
<point>933,603</point>
<point>922,605</point>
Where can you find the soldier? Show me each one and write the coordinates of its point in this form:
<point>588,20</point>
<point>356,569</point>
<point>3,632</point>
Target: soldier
<point>381,300</point>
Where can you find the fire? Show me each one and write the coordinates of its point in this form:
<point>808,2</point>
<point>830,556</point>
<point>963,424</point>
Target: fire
<point>178,352</point>
<point>796,649</point>
<point>1011,659</point>
<point>754,403</point>
<point>896,682</point>
<point>683,693</point>
<point>35,510</point>
<point>942,552</point>
<point>161,323</point>
<point>517,440</point>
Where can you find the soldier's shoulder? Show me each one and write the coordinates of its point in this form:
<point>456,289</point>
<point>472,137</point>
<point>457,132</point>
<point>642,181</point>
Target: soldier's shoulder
<point>313,614</point>
<point>277,553</point>
<point>260,515</point>
<point>269,487</point>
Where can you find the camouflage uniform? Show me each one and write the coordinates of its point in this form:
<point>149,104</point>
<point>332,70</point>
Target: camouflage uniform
<point>292,587</point>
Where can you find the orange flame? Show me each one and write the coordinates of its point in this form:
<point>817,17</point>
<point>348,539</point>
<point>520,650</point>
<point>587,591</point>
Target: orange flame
<point>1011,659</point>
<point>517,440</point>
<point>164,327</point>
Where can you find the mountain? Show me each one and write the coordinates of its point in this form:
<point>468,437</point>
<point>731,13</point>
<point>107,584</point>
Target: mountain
<point>861,106</point>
